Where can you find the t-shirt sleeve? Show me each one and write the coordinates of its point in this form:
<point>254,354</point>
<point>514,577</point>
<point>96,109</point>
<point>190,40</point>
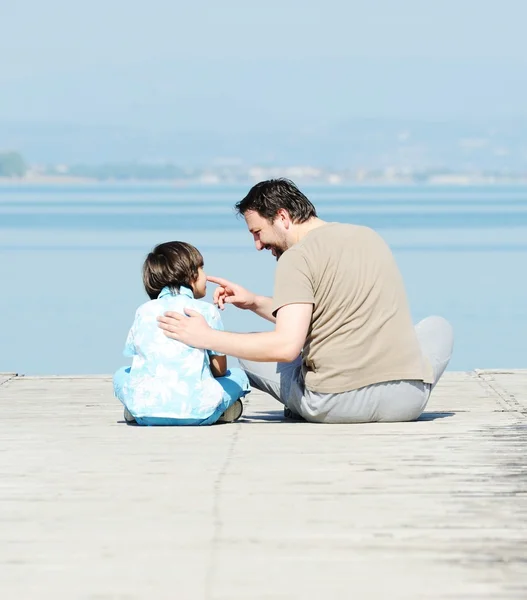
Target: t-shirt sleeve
<point>213,318</point>
<point>293,283</point>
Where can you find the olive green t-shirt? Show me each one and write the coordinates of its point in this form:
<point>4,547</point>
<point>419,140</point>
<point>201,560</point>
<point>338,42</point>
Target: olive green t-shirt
<point>361,330</point>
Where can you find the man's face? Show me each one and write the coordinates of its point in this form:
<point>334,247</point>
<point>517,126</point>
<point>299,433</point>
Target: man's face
<point>266,235</point>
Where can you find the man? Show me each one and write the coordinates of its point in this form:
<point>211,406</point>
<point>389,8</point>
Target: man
<point>344,349</point>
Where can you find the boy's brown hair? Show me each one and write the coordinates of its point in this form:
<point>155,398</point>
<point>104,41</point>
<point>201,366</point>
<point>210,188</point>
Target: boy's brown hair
<point>171,264</point>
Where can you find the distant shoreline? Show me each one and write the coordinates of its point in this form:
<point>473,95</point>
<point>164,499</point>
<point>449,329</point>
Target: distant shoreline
<point>436,181</point>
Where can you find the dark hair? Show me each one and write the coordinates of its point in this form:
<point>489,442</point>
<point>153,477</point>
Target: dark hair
<point>171,264</point>
<point>268,197</point>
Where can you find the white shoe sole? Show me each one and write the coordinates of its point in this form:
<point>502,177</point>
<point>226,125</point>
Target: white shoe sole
<point>128,417</point>
<point>233,413</point>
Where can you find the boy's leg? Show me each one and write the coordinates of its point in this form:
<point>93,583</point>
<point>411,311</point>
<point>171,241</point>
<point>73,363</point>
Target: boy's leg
<point>119,379</point>
<point>168,422</point>
<point>235,386</point>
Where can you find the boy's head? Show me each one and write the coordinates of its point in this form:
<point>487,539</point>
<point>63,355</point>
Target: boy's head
<point>172,265</point>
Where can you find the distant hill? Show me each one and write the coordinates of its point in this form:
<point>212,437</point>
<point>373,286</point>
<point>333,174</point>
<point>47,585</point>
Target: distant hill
<point>356,143</point>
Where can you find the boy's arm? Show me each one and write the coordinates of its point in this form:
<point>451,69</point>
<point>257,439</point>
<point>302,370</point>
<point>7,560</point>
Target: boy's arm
<point>218,365</point>
<point>217,361</point>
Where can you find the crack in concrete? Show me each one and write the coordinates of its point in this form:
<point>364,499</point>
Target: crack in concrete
<point>12,376</point>
<point>507,400</point>
<point>217,523</point>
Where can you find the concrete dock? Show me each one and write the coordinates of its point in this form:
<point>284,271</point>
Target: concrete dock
<point>91,508</point>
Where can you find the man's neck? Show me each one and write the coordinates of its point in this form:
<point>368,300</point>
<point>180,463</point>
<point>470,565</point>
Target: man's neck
<point>302,229</point>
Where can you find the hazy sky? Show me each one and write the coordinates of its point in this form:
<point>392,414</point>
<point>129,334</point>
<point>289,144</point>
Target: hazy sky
<point>242,64</point>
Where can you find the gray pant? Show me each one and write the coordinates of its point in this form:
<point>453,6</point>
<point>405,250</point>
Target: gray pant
<point>389,401</point>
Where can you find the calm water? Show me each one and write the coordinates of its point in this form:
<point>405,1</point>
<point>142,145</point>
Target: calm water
<point>70,260</point>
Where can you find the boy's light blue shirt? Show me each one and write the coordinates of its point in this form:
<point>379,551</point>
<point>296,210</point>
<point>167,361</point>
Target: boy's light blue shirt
<point>168,378</point>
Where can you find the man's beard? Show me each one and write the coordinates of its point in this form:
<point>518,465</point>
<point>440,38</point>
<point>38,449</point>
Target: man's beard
<point>277,252</point>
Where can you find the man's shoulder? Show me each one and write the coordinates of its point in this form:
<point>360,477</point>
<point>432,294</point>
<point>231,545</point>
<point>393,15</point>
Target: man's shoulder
<point>326,245</point>
<point>292,257</point>
<point>332,229</point>
<point>332,236</point>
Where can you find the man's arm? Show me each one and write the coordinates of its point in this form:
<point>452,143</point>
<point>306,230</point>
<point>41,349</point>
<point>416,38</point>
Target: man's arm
<point>281,345</point>
<point>228,292</point>
<point>263,307</point>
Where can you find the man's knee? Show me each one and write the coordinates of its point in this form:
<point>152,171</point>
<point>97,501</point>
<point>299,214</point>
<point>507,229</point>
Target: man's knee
<point>436,327</point>
<point>250,369</point>
<point>436,337</point>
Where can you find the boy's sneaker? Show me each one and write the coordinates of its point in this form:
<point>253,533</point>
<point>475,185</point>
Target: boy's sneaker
<point>233,413</point>
<point>128,417</point>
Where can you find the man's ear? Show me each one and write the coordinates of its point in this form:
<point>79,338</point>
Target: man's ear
<point>284,217</point>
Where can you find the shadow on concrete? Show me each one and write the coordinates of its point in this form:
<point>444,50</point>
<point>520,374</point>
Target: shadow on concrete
<point>432,416</point>
<point>271,416</point>
<point>277,416</point>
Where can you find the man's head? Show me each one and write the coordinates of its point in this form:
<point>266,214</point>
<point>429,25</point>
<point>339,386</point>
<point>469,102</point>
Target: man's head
<point>272,209</point>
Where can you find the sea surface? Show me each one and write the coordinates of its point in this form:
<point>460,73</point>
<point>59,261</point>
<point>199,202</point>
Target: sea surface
<point>71,257</point>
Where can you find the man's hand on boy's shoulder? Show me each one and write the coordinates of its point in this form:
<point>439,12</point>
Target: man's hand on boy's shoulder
<point>191,328</point>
